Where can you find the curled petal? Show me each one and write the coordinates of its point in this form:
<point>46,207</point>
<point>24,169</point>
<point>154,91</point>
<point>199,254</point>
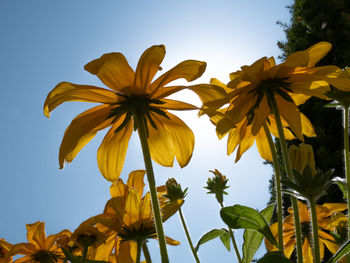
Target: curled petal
<point>136,180</point>
<point>36,234</point>
<point>114,71</point>
<point>188,69</point>
<point>66,91</point>
<point>147,67</point>
<point>81,130</point>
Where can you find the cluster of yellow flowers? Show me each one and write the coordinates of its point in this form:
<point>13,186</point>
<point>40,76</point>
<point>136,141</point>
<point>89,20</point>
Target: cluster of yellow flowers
<point>260,99</point>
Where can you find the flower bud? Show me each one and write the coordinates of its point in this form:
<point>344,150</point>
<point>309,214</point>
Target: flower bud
<point>174,191</point>
<point>301,156</point>
<point>216,185</point>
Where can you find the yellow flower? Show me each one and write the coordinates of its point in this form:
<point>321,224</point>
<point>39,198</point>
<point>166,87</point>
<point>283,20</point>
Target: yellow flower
<point>132,94</point>
<point>40,248</point>
<point>240,135</point>
<point>325,222</point>
<point>4,249</point>
<point>129,215</point>
<point>290,83</point>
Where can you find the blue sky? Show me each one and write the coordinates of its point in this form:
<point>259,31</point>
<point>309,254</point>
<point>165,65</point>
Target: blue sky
<point>46,42</point>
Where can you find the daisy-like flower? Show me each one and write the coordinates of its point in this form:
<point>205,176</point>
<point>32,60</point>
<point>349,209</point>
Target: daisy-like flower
<point>325,222</point>
<point>128,214</point>
<point>4,249</point>
<point>132,97</point>
<point>290,83</point>
<point>240,135</point>
<point>39,247</point>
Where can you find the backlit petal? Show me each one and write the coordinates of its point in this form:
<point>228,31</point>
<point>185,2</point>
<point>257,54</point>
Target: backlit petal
<point>307,252</point>
<point>171,241</point>
<point>263,146</point>
<point>147,67</point>
<point>36,234</point>
<point>159,142</point>
<point>122,252</point>
<point>181,138</point>
<point>118,188</point>
<point>171,208</point>
<point>188,69</point>
<point>112,151</point>
<point>246,141</point>
<point>132,209</point>
<point>290,112</point>
<point>81,130</point>
<point>233,139</point>
<point>306,126</point>
<point>176,105</point>
<point>66,91</point>
<point>136,180</point>
<point>260,115</point>
<point>114,71</point>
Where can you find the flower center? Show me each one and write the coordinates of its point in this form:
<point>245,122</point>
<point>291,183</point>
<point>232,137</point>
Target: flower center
<point>86,240</point>
<point>137,106</point>
<point>44,256</point>
<point>2,252</point>
<point>269,87</point>
<point>140,234</point>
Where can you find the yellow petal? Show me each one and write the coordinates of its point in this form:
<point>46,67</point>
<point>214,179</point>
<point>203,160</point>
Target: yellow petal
<point>246,141</point>
<point>260,115</point>
<point>307,252</point>
<point>263,146</point>
<point>118,188</point>
<point>239,107</point>
<point>23,249</point>
<point>290,112</point>
<point>169,209</point>
<point>66,91</point>
<point>233,139</point>
<point>36,234</point>
<point>122,251</point>
<point>306,126</point>
<point>176,105</point>
<point>81,130</point>
<point>146,210</point>
<point>181,138</point>
<point>147,67</point>
<point>112,151</point>
<point>188,69</point>
<point>159,143</point>
<point>103,251</point>
<point>317,52</point>
<point>132,209</point>
<point>217,82</point>
<point>136,180</point>
<point>327,240</point>
<point>114,71</point>
<point>171,241</point>
<point>335,207</point>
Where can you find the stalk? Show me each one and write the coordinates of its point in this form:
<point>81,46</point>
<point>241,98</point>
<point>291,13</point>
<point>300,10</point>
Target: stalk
<point>289,172</point>
<point>347,160</point>
<point>278,188</point>
<point>233,240</point>
<point>146,252</point>
<point>138,255</point>
<point>317,257</point>
<point>152,186</point>
<point>194,252</point>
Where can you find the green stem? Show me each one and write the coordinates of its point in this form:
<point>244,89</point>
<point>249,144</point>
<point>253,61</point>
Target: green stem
<point>233,241</point>
<point>316,246</point>
<point>146,252</point>
<point>289,172</point>
<point>194,252</point>
<point>152,187</point>
<point>347,159</point>
<point>278,188</point>
<point>138,255</point>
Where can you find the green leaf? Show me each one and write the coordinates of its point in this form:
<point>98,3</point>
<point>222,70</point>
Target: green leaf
<point>222,233</point>
<point>252,239</point>
<point>225,239</point>
<point>342,251</point>
<point>239,216</point>
<point>274,257</point>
